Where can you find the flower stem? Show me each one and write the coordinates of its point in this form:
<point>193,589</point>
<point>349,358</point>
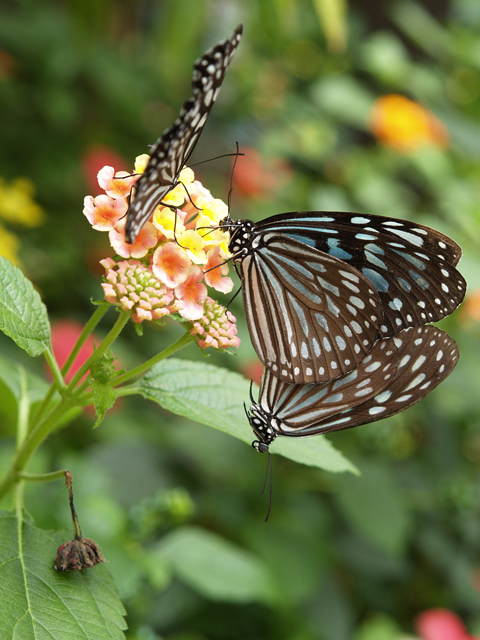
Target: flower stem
<point>122,320</point>
<point>183,341</point>
<point>59,382</point>
<point>89,327</point>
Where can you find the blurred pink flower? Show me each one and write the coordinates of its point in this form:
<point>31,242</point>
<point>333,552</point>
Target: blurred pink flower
<point>441,624</point>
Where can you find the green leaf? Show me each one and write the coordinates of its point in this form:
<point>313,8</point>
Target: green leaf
<point>18,380</point>
<point>215,396</point>
<point>40,604</point>
<point>214,567</point>
<point>374,506</point>
<point>104,396</point>
<point>23,316</point>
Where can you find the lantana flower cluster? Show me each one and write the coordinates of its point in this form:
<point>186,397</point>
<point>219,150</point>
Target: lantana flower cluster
<point>175,256</point>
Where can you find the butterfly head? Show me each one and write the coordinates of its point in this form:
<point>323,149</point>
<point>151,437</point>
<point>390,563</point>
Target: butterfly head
<point>260,423</point>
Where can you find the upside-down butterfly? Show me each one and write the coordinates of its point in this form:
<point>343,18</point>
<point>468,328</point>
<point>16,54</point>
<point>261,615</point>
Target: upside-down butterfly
<point>398,372</point>
<point>173,148</point>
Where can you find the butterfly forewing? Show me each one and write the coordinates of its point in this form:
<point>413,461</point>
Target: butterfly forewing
<point>311,317</point>
<point>173,148</point>
<point>426,356</point>
<point>411,266</point>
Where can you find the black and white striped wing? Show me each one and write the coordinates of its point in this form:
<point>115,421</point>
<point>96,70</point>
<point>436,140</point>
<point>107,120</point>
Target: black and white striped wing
<point>311,317</point>
<point>426,356</point>
<point>411,266</point>
<point>173,148</point>
<point>296,409</point>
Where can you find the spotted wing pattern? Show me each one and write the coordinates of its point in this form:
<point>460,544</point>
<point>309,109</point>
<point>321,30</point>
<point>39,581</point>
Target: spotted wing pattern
<point>399,371</point>
<point>173,148</point>
<point>411,266</point>
<point>311,316</point>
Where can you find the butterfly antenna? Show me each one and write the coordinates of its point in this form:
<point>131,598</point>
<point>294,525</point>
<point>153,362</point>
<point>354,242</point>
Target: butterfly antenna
<point>229,197</point>
<point>251,386</point>
<point>224,155</point>
<point>269,480</point>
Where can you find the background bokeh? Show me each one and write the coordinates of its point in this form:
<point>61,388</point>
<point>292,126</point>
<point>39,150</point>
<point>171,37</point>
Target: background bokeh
<point>309,98</point>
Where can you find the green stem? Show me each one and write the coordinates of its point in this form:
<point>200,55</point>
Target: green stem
<point>41,477</point>
<point>115,331</point>
<point>89,327</point>
<point>32,441</point>
<point>183,341</point>
<point>58,381</point>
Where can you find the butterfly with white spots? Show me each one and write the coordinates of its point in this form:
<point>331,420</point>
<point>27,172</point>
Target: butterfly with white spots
<point>398,372</point>
<point>172,150</point>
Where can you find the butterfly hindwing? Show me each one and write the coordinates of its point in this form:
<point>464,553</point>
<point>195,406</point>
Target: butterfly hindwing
<point>173,148</point>
<point>405,370</point>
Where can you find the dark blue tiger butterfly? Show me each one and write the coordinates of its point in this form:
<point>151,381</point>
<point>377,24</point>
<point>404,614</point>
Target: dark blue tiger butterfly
<point>319,288</point>
<point>173,148</point>
<point>398,372</point>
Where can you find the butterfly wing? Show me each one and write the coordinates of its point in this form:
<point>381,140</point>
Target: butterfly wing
<point>296,409</point>
<point>411,266</point>
<point>311,317</point>
<point>173,148</point>
<point>426,356</point>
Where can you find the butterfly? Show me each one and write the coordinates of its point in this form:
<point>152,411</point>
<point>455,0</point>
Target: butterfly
<point>173,148</point>
<point>312,283</point>
<point>398,372</point>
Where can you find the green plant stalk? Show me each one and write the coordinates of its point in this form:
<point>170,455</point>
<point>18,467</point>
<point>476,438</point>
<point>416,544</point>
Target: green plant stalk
<point>41,477</point>
<point>32,442</point>
<point>113,334</point>
<point>89,327</point>
<point>183,341</point>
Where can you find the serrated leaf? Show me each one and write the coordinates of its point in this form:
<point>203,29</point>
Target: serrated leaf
<point>23,316</point>
<point>37,603</point>
<point>214,567</point>
<point>104,396</point>
<point>215,396</point>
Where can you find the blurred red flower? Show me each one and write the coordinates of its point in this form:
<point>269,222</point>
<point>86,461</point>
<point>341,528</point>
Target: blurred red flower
<point>95,158</point>
<point>255,177</point>
<point>65,334</point>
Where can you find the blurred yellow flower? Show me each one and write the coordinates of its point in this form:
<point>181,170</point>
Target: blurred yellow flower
<point>401,123</point>
<point>17,207</point>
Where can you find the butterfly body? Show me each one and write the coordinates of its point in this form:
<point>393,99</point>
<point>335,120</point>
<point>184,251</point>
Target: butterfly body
<point>172,150</point>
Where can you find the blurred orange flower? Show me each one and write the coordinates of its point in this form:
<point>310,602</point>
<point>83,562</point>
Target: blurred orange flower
<point>471,306</point>
<point>404,125</point>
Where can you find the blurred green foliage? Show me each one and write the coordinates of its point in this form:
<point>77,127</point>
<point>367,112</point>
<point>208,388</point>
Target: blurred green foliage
<point>175,505</point>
